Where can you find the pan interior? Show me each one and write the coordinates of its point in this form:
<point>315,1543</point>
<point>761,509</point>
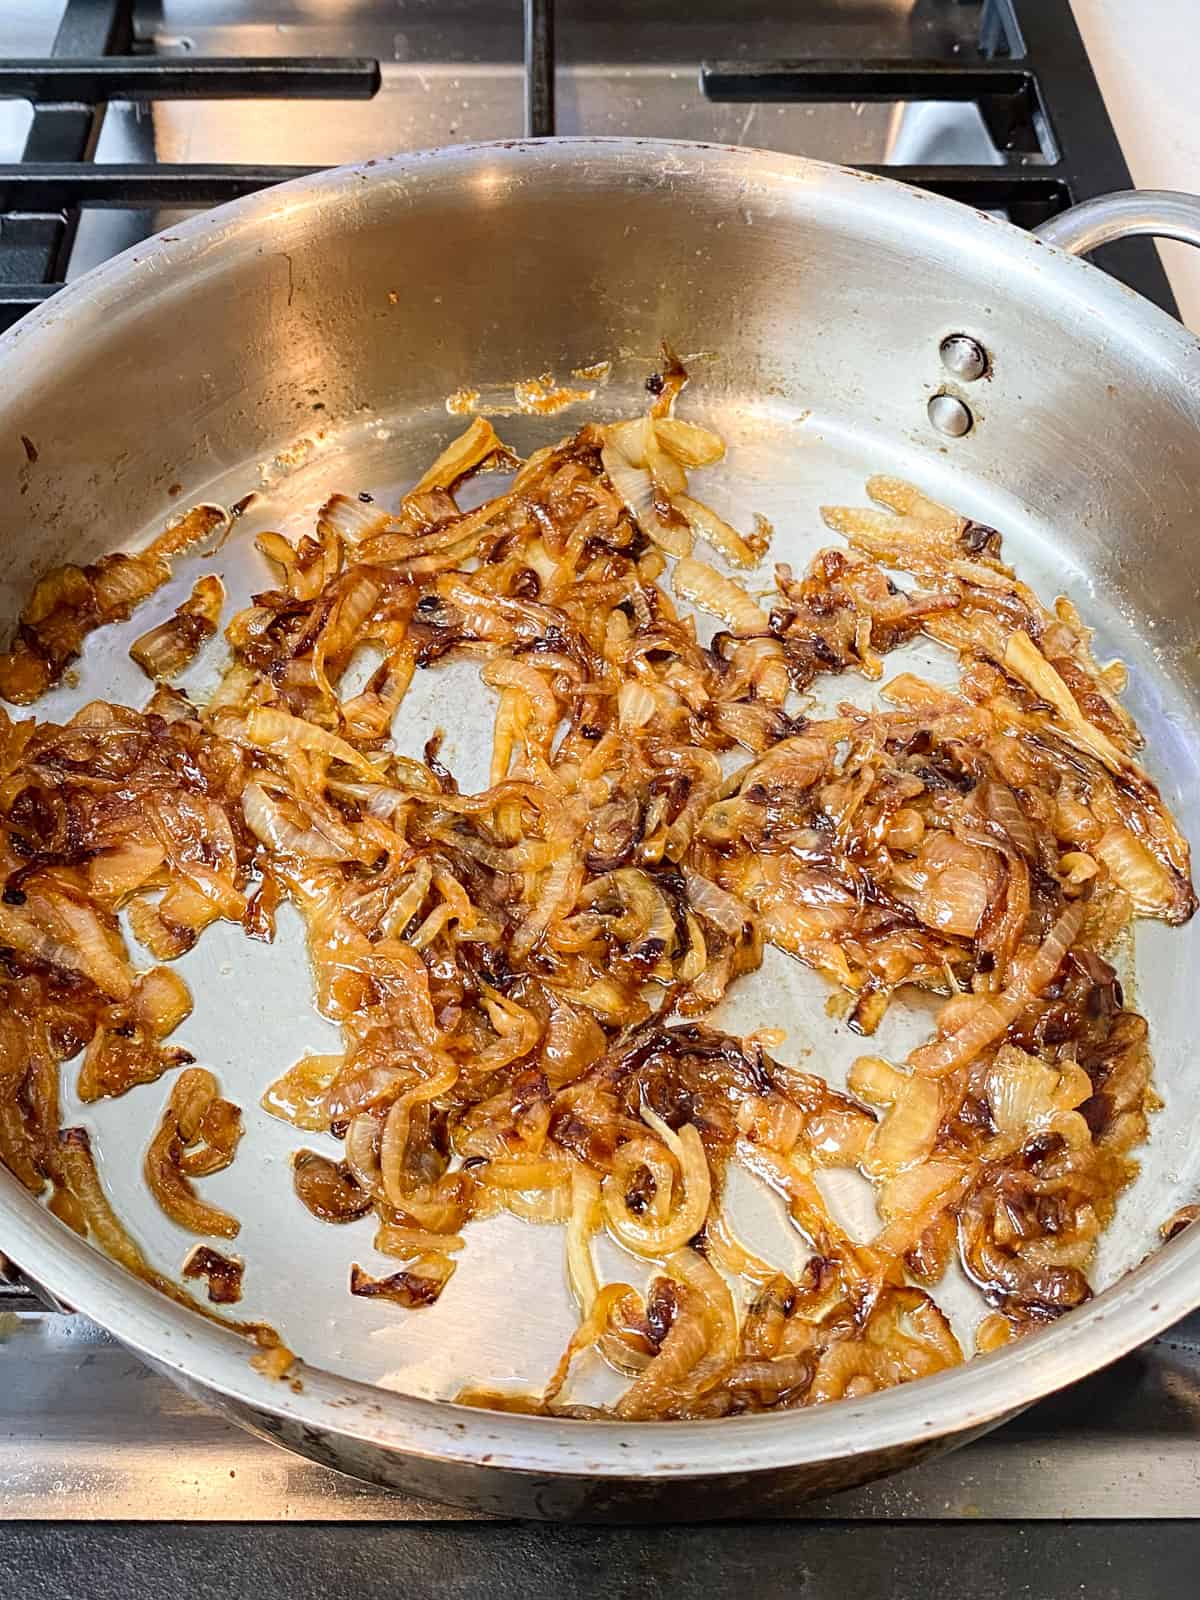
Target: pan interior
<point>506,1314</point>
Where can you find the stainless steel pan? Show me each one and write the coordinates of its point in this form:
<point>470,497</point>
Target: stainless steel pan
<point>307,339</point>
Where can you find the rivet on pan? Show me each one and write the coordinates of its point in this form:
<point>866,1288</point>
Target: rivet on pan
<point>950,416</point>
<point>964,357</point>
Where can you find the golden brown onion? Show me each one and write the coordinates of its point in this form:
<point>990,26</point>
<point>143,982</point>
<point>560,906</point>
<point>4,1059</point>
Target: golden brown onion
<point>509,968</point>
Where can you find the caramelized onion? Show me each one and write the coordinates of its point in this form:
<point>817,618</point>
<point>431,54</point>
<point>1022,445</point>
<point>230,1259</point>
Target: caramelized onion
<point>624,456</point>
<point>279,730</point>
<point>194,1116</point>
<point>1135,870</point>
<point>327,1188</point>
<point>419,1285</point>
<point>222,1274</point>
<point>515,972</point>
<point>82,1181</point>
<point>987,1019</point>
<point>479,444</point>
<point>174,644</point>
<point>687,1216</point>
<point>277,823</point>
<point>299,1095</point>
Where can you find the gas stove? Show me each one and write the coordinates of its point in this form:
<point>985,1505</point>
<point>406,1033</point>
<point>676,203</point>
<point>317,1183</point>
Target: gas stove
<point>118,116</point>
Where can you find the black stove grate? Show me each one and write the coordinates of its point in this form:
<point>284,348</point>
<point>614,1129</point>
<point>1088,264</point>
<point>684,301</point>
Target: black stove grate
<point>41,195</point>
<point>1030,77</point>
<point>1039,99</point>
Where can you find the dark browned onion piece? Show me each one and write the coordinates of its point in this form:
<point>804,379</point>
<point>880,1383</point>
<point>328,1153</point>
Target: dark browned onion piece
<point>223,1274</point>
<point>413,1287</point>
<point>327,1188</point>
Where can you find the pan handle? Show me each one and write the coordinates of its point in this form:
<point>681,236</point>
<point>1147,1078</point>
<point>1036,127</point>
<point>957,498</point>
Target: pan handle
<point>1165,213</point>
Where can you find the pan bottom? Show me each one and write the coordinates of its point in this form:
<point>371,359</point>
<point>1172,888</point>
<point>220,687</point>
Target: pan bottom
<point>506,1315</point>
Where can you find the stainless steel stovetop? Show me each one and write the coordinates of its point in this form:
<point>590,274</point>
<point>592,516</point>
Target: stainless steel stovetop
<point>88,1434</point>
